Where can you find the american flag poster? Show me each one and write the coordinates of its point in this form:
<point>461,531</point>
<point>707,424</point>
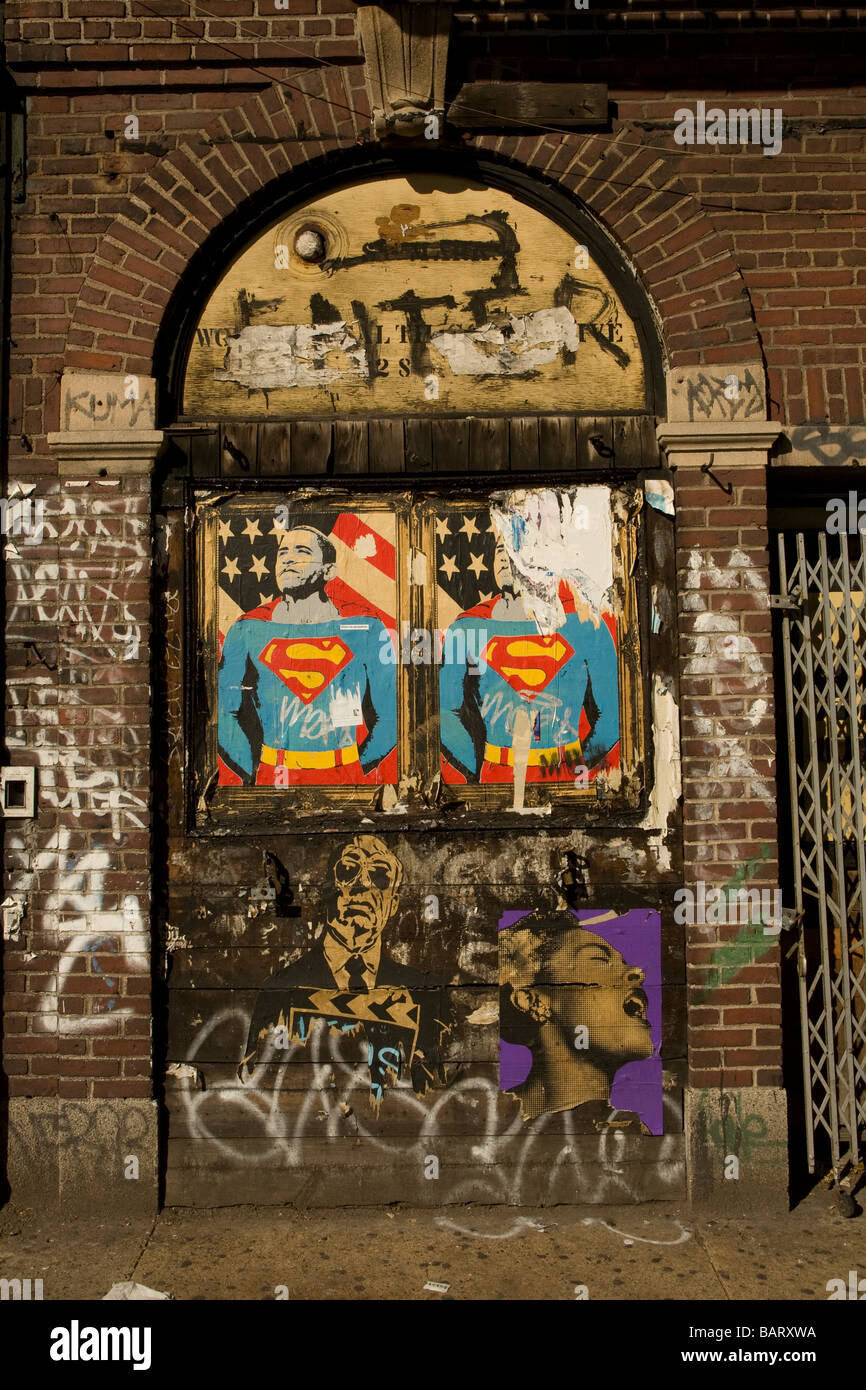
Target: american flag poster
<point>307,612</point>
<point>528,674</point>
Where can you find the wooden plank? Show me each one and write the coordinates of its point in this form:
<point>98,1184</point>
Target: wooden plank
<point>387,450</point>
<point>176,460</point>
<point>650,451</point>
<point>523,430</point>
<point>557,443</point>
<point>488,445</point>
<point>419,446</point>
<point>450,446</point>
<point>205,453</point>
<point>275,449</point>
<point>351,452</point>
<point>628,441</point>
<point>240,450</point>
<point>595,442</point>
<point>491,105</point>
<point>311,446</point>
<point>191,1008</point>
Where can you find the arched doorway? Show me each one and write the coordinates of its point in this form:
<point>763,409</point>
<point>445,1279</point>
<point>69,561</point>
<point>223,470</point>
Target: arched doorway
<point>409,401</point>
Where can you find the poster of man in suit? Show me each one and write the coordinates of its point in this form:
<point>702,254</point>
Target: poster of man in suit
<point>349,981</point>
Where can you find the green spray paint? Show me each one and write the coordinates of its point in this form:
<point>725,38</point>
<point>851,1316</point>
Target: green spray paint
<point>750,944</point>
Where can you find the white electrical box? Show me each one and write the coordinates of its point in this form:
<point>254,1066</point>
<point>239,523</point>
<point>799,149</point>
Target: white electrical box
<point>18,792</point>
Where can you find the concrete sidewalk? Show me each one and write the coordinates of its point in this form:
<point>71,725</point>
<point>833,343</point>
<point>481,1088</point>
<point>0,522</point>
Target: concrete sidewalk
<point>637,1252</point>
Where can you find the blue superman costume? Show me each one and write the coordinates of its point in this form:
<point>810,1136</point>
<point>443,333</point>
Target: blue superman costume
<point>306,703</point>
<point>567,682</point>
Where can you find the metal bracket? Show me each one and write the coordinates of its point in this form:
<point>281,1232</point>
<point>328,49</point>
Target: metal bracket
<point>707,468</point>
<point>786,603</point>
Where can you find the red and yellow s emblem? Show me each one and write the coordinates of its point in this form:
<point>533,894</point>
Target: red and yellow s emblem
<point>306,665</point>
<point>528,663</point>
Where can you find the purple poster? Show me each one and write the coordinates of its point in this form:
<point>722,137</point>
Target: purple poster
<point>580,1015</point>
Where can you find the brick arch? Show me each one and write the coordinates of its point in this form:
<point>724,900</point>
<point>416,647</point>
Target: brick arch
<point>687,267</point>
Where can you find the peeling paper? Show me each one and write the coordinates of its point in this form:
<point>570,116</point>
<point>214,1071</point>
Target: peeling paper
<point>184,1071</point>
<point>485,1013</point>
<point>266,358</point>
<point>520,344</point>
<point>667,782</point>
<point>656,616</point>
<point>660,495</point>
<point>521,742</point>
<point>14,907</point>
<point>344,708</point>
<point>555,534</point>
<point>417,568</point>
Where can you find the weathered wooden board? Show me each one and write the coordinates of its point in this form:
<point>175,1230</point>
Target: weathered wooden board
<point>240,449</point>
<point>422,301</point>
<point>488,446</point>
<point>557,443</point>
<point>492,105</point>
<point>478,444</point>
<point>266,1143</point>
<point>351,446</point>
<point>311,446</point>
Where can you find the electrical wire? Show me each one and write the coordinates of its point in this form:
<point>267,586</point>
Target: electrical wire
<point>616,141</point>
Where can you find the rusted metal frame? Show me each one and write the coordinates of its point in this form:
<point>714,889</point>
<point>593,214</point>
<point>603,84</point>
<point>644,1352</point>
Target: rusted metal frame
<point>857,783</point>
<point>802,966</point>
<point>817,837</point>
<point>830,655</point>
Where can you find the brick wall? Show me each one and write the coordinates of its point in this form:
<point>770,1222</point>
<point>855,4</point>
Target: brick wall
<point>78,979</point>
<point>745,257</point>
<point>728,756</point>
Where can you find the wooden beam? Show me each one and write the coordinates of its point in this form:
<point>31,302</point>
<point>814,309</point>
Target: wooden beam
<point>510,104</point>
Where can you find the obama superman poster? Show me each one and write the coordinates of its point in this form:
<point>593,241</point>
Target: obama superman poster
<point>374,648</point>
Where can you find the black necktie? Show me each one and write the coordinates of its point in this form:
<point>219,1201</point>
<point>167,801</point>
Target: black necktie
<point>355,967</point>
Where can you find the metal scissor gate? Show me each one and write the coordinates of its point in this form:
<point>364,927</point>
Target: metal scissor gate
<point>823,598</point>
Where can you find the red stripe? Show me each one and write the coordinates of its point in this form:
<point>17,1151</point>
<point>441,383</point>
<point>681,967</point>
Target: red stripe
<point>354,605</point>
<point>349,528</point>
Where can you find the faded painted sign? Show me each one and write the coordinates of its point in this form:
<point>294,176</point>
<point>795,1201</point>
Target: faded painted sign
<point>410,295</point>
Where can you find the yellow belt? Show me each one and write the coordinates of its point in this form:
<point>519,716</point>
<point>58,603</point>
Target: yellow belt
<point>538,757</point>
<point>287,757</point>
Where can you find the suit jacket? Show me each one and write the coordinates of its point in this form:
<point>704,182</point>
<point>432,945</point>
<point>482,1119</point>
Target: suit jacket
<point>293,988</point>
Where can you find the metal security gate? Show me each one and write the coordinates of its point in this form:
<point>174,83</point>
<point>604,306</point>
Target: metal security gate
<point>823,584</point>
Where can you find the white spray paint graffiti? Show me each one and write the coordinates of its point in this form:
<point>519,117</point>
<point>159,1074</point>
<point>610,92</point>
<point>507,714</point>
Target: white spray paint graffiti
<point>508,1152</point>
<point>88,762</point>
<point>120,933</point>
<point>718,640</point>
<point>684,1233</point>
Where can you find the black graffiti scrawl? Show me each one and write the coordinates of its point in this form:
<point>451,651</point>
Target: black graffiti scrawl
<point>403,297</point>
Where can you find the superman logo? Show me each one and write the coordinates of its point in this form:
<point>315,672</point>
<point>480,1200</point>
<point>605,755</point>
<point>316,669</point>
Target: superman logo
<point>528,663</point>
<point>306,665</point>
